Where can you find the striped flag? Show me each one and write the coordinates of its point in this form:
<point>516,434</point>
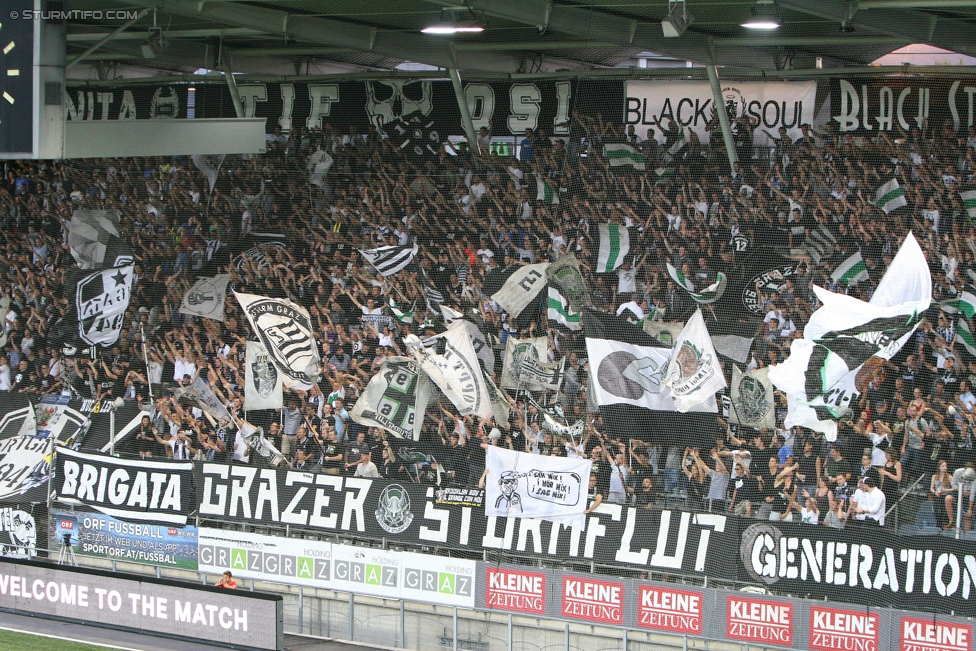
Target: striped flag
<point>560,312</point>
<point>969,201</point>
<point>389,260</point>
<point>708,294</point>
<point>851,271</point>
<point>965,304</point>
<point>405,317</point>
<point>621,155</point>
<point>545,192</point>
<point>432,295</point>
<point>890,196</point>
<point>820,243</point>
<point>614,247</point>
<point>965,335</point>
<point>678,144</point>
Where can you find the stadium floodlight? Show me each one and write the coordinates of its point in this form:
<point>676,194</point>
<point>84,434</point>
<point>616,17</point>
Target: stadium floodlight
<point>765,15</point>
<point>451,22</point>
<point>154,45</point>
<point>677,20</point>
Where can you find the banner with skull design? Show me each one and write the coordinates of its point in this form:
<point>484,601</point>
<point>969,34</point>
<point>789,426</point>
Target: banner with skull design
<point>752,402</point>
<point>262,381</point>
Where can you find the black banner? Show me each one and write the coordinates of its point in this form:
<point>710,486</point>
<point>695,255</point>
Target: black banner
<point>510,108</point>
<point>144,491</point>
<point>650,539</point>
<point>868,106</point>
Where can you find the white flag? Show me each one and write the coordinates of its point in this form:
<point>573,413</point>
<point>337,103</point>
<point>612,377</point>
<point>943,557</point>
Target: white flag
<point>890,196</point>
<point>851,271</point>
<point>752,399</point>
<point>623,155</point>
<point>389,260</point>
<point>395,399</point>
<point>614,247</point>
<point>4,308</point>
<point>209,164</point>
<point>204,397</point>
<point>521,288</point>
<point>523,485</point>
<point>517,351</point>
<point>846,340</point>
<point>256,441</point>
<point>285,329</point>
<point>262,381</point>
<point>206,297</point>
<point>560,311</point>
<point>455,371</point>
<point>479,342</point>
<point>694,373</point>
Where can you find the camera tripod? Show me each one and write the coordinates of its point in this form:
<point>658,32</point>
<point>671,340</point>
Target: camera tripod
<point>66,555</point>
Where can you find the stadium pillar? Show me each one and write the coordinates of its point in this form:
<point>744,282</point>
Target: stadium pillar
<point>723,116</point>
<point>465,113</point>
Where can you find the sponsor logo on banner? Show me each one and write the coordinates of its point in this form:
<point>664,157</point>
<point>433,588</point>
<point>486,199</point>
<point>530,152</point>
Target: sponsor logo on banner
<point>594,601</point>
<point>929,635</point>
<point>97,535</point>
<point>843,630</point>
<point>393,514</point>
<point>670,610</point>
<point>422,581</point>
<point>523,592</point>
<point>758,620</point>
<point>460,496</point>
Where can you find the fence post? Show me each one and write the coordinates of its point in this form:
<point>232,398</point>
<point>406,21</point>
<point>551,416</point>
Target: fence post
<point>403,626</point>
<point>684,643</point>
<point>352,617</point>
<point>624,640</point>
<point>454,642</point>
<point>566,638</point>
<point>509,647</point>
<point>159,573</point>
<point>301,608</point>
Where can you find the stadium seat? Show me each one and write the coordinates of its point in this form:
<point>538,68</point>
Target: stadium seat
<point>929,531</point>
<point>908,530</point>
<point>926,515</point>
<point>969,535</point>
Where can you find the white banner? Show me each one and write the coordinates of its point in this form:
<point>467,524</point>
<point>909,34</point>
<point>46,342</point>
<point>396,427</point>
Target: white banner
<point>206,297</point>
<point>517,353</point>
<point>649,104</point>
<point>262,381</point>
<point>319,564</point>
<point>694,372</point>
<point>285,329</point>
<point>523,485</point>
<point>456,371</point>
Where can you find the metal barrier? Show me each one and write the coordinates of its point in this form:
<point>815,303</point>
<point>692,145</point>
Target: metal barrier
<point>417,626</point>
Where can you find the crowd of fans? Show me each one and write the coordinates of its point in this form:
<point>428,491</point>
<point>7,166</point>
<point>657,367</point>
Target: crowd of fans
<point>473,212</point>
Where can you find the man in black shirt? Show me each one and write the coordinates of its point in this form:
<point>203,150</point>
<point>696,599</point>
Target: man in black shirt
<point>355,452</point>
<point>333,452</point>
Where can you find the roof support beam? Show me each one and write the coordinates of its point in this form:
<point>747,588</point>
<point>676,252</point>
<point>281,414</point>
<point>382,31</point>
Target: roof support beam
<point>917,26</point>
<point>108,37</point>
<point>333,33</point>
<point>83,37</point>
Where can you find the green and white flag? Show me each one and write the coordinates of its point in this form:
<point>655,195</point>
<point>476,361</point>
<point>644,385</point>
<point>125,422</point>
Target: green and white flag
<point>404,317</point>
<point>890,196</point>
<point>560,312</point>
<point>965,335</point>
<point>614,247</point>
<point>678,145</point>
<point>621,155</point>
<point>851,271</point>
<point>708,294</point>
<point>969,201</point>
<point>965,304</point>
<point>545,192</point>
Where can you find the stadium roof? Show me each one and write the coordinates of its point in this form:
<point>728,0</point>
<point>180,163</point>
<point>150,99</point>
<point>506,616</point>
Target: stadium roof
<point>304,37</point>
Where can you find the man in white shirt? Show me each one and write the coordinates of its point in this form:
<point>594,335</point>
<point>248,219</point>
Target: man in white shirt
<point>619,471</point>
<point>4,374</point>
<point>869,504</point>
<point>367,468</point>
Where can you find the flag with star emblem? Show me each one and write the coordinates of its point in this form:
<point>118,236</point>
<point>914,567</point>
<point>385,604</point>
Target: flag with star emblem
<point>100,299</point>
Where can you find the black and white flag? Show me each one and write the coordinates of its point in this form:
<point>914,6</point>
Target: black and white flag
<point>452,364</point>
<point>519,353</point>
<point>285,329</point>
<point>259,444</point>
<point>209,164</point>
<point>752,403</point>
<point>521,288</point>
<point>206,297</point>
<point>100,300</point>
<point>262,381</point>
<point>433,296</point>
<point>564,274</point>
<point>138,489</point>
<point>203,397</point>
<point>94,240</point>
<point>820,243</point>
<point>389,260</point>
<point>395,399</point>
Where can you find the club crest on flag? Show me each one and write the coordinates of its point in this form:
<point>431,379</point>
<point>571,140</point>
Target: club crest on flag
<point>287,335</point>
<point>751,400</point>
<point>265,375</point>
<point>101,299</point>
<point>625,375</point>
<point>692,369</point>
